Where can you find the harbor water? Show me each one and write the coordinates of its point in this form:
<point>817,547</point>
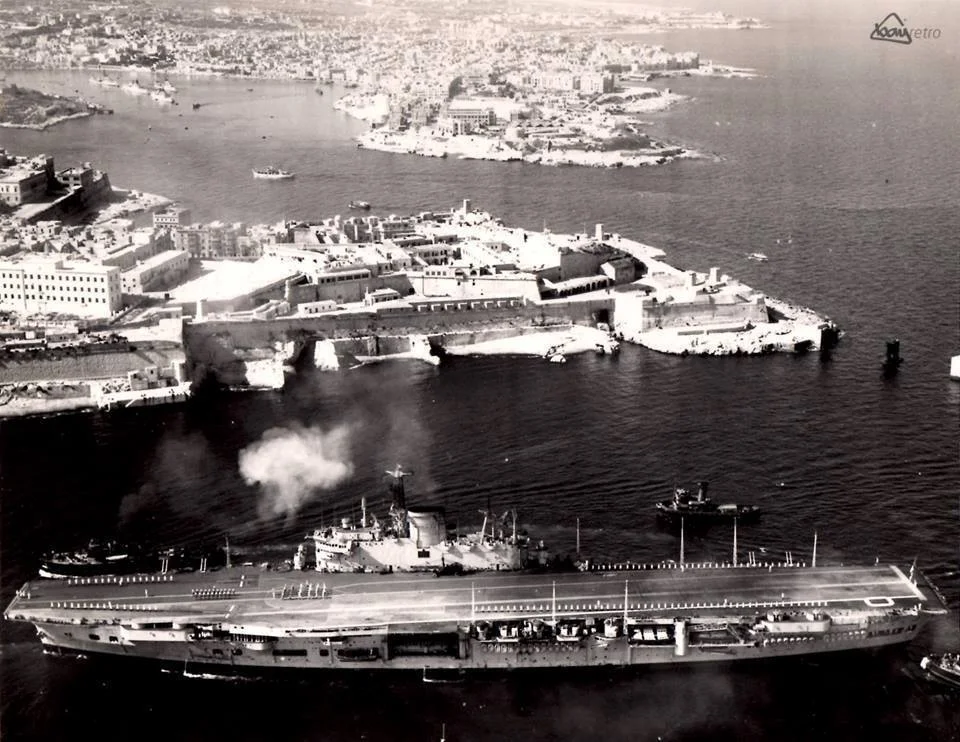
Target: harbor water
<point>838,162</point>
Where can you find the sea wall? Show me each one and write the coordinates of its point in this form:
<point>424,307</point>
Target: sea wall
<point>705,311</point>
<point>220,349</point>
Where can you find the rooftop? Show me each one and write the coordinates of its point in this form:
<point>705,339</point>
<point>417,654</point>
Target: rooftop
<point>223,280</point>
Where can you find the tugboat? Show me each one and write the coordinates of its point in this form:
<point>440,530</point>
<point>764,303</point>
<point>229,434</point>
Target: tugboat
<point>362,205</point>
<point>701,509</point>
<point>271,173</point>
<point>943,667</point>
<point>109,558</point>
<point>99,559</point>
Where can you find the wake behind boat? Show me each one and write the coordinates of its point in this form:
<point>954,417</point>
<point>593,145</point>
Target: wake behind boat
<point>272,173</point>
<point>701,509</point>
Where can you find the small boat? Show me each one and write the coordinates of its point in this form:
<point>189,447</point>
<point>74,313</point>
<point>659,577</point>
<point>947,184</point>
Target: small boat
<point>757,256</point>
<point>555,354</point>
<point>943,667</point>
<point>196,106</point>
<point>96,559</point>
<point>272,173</point>
<point>363,205</point>
<point>104,81</point>
<point>701,508</point>
<point>134,88</point>
<point>161,97</point>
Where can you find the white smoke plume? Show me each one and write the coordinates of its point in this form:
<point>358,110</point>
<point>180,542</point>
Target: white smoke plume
<point>292,464</point>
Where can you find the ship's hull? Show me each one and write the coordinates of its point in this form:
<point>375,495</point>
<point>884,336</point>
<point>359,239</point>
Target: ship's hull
<point>246,618</point>
<point>706,517</point>
<point>272,176</point>
<point>448,651</point>
<point>66,570</point>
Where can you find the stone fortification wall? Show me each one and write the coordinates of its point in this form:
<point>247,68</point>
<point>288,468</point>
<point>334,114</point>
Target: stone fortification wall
<point>74,202</point>
<point>705,311</point>
<point>221,348</point>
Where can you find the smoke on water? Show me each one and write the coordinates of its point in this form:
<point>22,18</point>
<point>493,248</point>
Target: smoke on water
<point>292,464</point>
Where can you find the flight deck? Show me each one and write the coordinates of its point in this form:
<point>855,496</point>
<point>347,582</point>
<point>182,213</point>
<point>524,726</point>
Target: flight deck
<point>312,600</point>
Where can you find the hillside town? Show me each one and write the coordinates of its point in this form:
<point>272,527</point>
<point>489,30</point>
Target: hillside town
<point>478,81</point>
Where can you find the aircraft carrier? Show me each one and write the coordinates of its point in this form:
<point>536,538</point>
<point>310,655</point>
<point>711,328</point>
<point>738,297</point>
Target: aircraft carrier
<point>251,618</point>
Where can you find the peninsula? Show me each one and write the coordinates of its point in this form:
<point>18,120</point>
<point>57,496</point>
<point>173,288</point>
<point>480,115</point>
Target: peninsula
<point>95,311</point>
<point>23,108</point>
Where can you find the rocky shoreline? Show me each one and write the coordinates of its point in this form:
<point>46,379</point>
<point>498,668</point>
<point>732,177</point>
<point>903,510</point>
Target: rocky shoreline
<point>475,147</point>
<point>24,108</point>
<point>47,124</point>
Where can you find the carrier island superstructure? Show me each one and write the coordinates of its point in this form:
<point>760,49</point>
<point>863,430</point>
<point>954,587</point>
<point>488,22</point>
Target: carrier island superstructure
<point>512,613</point>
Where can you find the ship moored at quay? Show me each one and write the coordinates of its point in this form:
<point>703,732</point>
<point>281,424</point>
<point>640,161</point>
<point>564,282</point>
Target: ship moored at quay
<point>383,597</point>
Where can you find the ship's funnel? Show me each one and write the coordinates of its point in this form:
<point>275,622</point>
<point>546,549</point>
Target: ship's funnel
<point>427,526</point>
<point>702,490</point>
<point>397,492</point>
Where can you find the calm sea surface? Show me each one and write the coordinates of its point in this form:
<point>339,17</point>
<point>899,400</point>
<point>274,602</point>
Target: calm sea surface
<point>840,164</point>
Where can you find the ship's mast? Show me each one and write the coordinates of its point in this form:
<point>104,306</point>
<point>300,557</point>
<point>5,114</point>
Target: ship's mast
<point>398,509</point>
<point>490,516</point>
<point>681,542</point>
<point>734,542</point>
<point>813,562</point>
<point>553,604</point>
<point>397,489</point>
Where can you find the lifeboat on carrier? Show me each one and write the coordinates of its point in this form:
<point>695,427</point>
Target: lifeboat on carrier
<point>484,631</point>
<point>509,633</point>
<point>569,632</point>
<point>611,628</point>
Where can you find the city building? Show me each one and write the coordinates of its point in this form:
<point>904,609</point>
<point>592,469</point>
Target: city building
<point>172,216</point>
<point>156,272</point>
<point>45,286</point>
<point>466,119</point>
<point>212,241</point>
<point>25,183</point>
<point>77,177</point>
